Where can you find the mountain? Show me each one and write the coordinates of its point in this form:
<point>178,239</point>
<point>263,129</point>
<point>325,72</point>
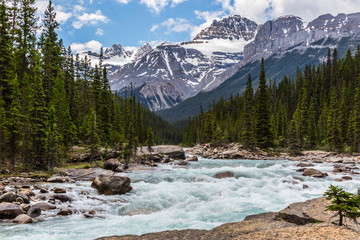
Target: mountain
<point>170,73</point>
<point>287,44</point>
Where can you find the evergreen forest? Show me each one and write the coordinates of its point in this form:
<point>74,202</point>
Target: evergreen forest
<point>51,100</point>
<point>317,109</point>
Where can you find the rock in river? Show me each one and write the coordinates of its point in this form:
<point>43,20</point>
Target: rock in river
<point>111,164</point>
<point>8,197</point>
<point>111,185</point>
<point>224,175</point>
<point>22,219</point>
<point>314,173</point>
<point>10,210</point>
<point>34,211</point>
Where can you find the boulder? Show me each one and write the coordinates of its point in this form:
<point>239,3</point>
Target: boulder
<point>303,165</point>
<point>19,200</point>
<point>111,185</point>
<point>45,206</point>
<point>34,211</point>
<point>10,210</point>
<point>182,163</point>
<point>65,212</point>
<point>25,207</point>
<point>8,197</point>
<point>62,198</point>
<point>311,172</point>
<point>23,219</point>
<point>59,190</point>
<point>347,178</point>
<point>25,198</point>
<point>227,174</point>
<point>111,164</point>
<point>43,190</point>
<point>193,159</point>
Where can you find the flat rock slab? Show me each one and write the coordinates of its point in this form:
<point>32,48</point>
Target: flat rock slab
<point>172,151</point>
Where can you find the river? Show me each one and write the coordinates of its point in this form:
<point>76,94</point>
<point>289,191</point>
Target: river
<point>172,197</point>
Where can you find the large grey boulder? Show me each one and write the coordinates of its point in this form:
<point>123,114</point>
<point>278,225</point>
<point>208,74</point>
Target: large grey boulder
<point>111,185</point>
<point>10,210</point>
<point>170,151</point>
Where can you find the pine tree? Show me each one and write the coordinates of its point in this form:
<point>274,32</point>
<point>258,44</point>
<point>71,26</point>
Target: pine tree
<point>150,140</point>
<point>263,132</point>
<point>248,133</point>
<point>334,136</point>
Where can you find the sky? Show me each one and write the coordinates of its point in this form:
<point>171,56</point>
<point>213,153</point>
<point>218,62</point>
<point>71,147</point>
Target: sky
<point>90,24</point>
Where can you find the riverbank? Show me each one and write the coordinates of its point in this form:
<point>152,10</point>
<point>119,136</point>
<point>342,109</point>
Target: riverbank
<point>236,151</point>
<point>303,220</point>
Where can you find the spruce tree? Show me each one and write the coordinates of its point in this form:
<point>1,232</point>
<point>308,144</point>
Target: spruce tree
<point>264,136</point>
<point>248,139</point>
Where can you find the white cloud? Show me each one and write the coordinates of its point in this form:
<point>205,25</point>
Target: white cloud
<point>153,43</point>
<point>90,19</point>
<point>310,9</point>
<point>177,25</point>
<point>89,46</point>
<point>99,32</point>
<point>158,5</point>
<point>262,10</point>
<point>123,1</point>
<point>62,16</point>
<point>154,27</point>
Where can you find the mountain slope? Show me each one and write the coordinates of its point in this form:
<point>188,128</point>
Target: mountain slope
<point>171,73</point>
<point>276,66</point>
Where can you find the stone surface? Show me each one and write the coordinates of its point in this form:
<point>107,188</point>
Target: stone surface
<point>305,165</point>
<point>45,206</point>
<point>193,159</point>
<point>314,173</point>
<point>9,210</point>
<point>224,175</point>
<point>8,197</point>
<point>34,211</point>
<point>61,197</point>
<point>112,164</point>
<point>59,190</point>
<point>111,185</point>
<point>23,219</point>
<point>65,212</point>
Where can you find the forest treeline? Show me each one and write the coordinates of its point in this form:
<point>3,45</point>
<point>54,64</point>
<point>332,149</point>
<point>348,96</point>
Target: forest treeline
<point>51,99</point>
<point>319,109</point>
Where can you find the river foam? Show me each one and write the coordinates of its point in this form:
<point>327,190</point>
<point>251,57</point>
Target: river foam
<point>173,197</point>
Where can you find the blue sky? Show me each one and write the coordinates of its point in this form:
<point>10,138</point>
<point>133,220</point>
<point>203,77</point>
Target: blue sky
<point>89,24</point>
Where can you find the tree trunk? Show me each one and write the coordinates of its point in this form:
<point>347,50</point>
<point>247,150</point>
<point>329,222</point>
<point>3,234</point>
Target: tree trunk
<point>341,218</point>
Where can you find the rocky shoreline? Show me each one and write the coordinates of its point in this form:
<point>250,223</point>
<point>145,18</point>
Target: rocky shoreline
<point>26,200</point>
<point>236,151</point>
<point>303,220</point>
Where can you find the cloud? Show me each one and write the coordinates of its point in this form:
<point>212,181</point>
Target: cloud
<point>62,16</point>
<point>154,27</point>
<point>158,5</point>
<point>92,45</point>
<point>90,19</point>
<point>177,25</point>
<point>262,10</point>
<point>310,9</point>
<point>99,32</point>
<point>123,1</point>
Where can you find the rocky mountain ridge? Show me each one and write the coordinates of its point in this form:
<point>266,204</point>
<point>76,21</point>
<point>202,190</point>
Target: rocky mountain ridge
<point>171,73</point>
